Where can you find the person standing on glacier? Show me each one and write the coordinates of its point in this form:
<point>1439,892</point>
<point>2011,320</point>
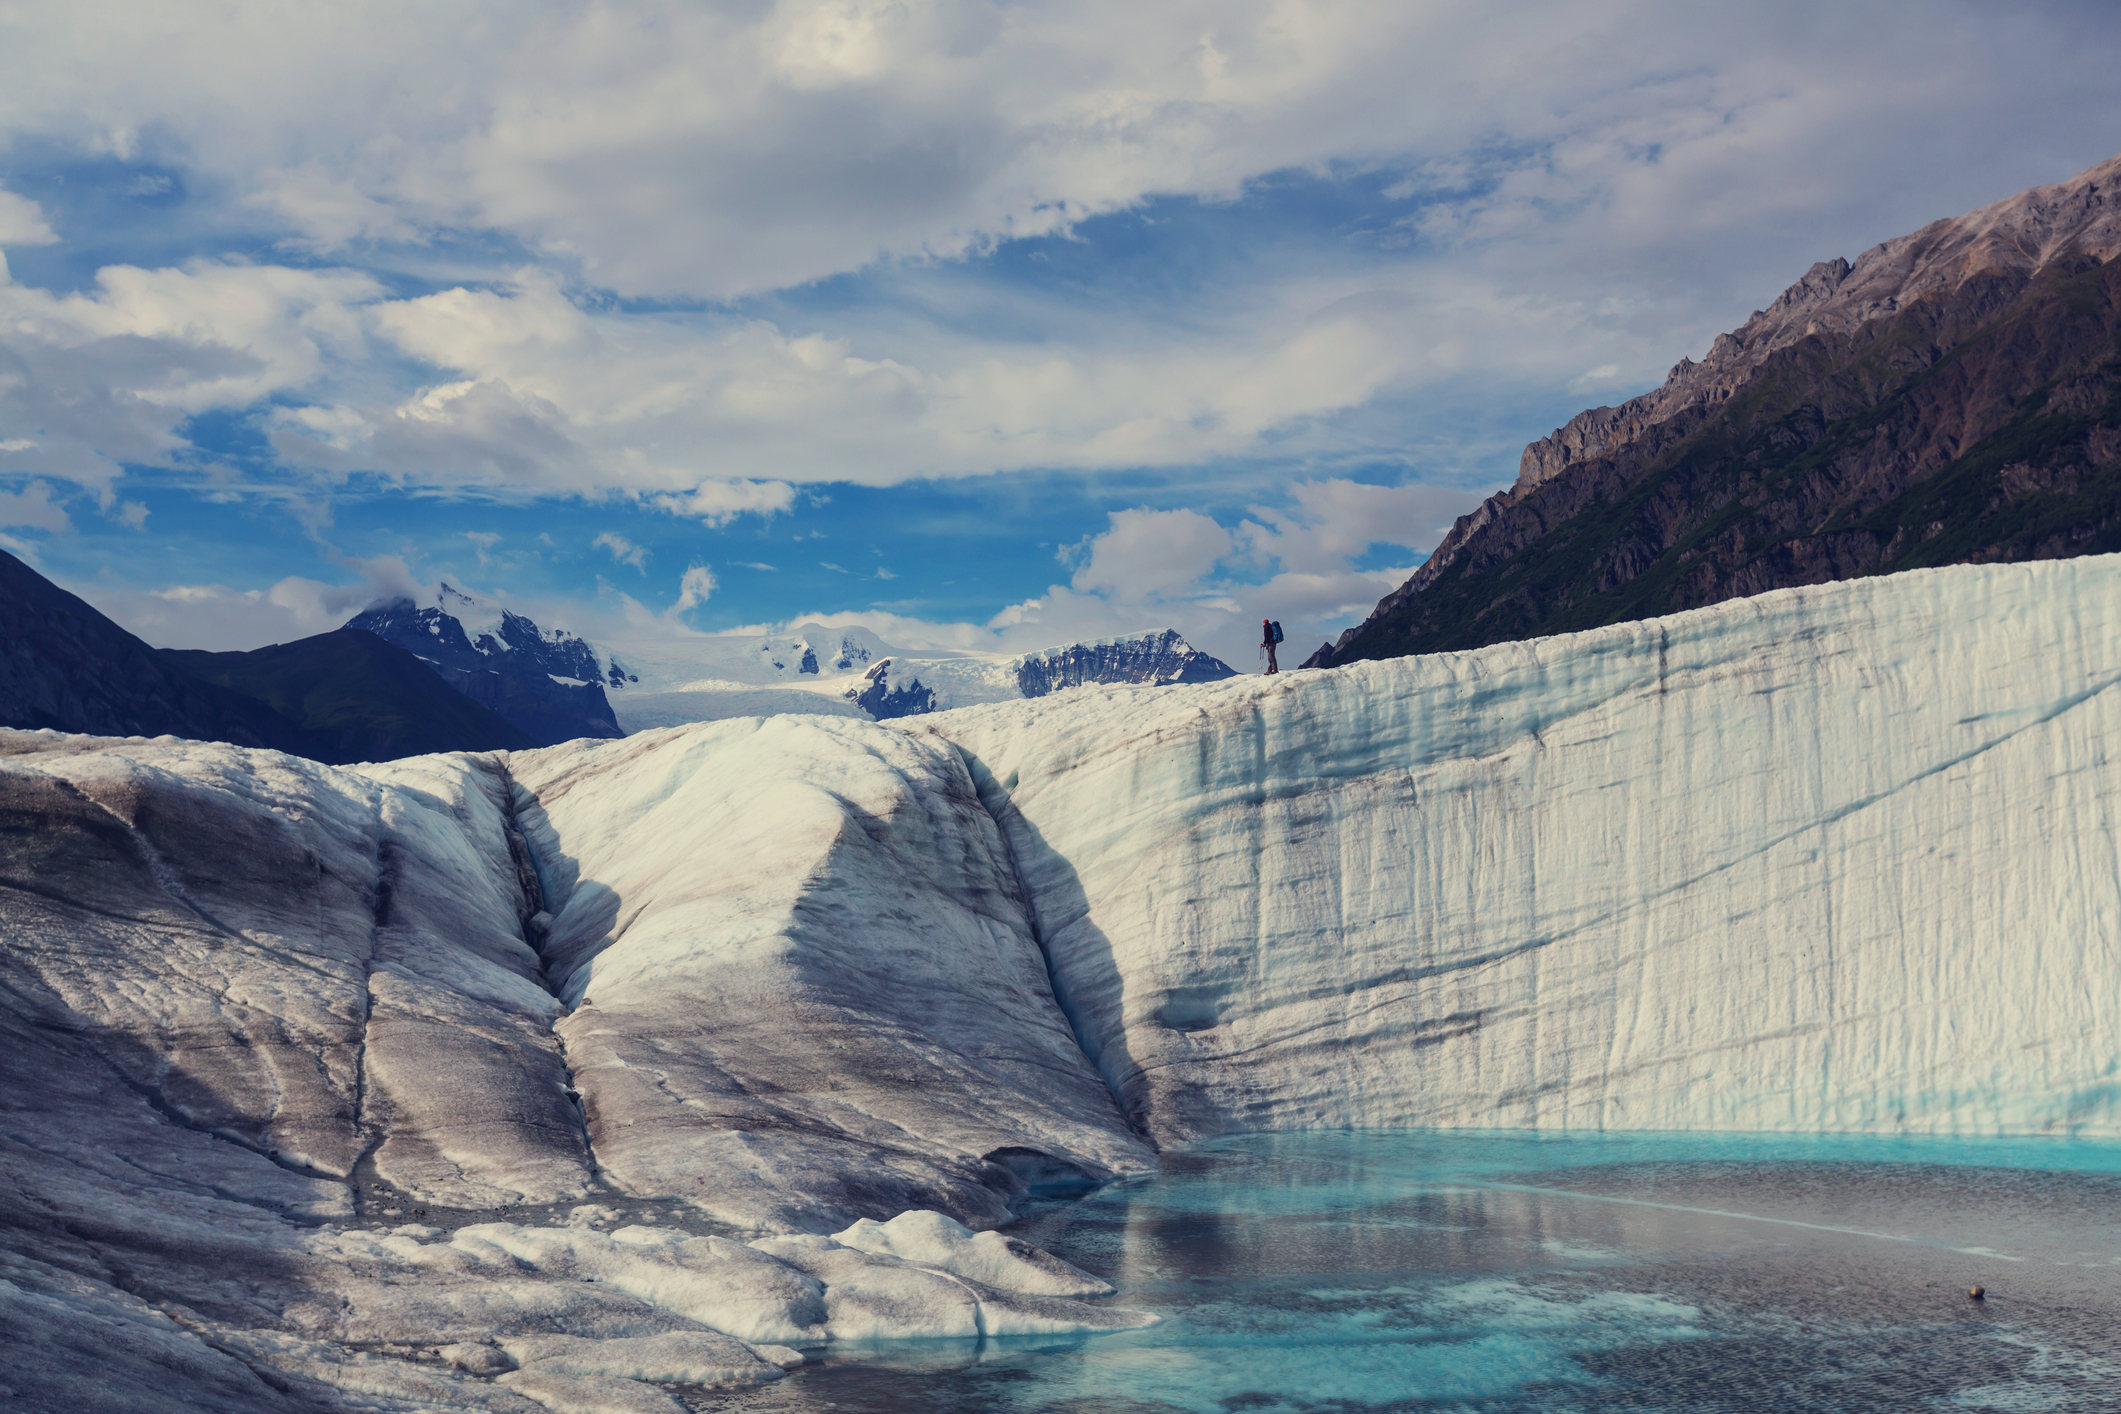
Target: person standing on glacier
<point>1269,636</point>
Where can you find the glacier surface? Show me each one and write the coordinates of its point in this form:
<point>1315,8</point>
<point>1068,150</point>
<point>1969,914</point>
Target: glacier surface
<point>548,1080</point>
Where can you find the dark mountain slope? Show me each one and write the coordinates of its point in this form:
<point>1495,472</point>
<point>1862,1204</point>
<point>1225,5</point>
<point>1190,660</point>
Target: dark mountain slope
<point>362,699</point>
<point>65,666</point>
<point>1953,397</point>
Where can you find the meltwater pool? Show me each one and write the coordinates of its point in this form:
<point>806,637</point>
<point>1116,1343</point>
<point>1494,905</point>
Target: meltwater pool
<point>1371,1271</point>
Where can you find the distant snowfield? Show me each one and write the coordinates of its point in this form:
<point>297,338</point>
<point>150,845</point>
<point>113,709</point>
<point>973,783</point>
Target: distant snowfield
<point>1840,858</point>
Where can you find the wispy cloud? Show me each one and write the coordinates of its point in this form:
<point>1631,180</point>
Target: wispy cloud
<point>623,550</point>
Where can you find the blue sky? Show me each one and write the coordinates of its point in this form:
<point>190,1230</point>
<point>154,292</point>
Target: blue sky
<point>987,325</point>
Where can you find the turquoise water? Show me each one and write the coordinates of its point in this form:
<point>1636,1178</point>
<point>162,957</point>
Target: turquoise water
<point>1352,1272</point>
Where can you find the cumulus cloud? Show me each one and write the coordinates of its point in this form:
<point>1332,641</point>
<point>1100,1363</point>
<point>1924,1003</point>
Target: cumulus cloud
<point>719,150</point>
<point>109,375</point>
<point>1335,520</point>
<point>1596,186</point>
<point>720,502</point>
<point>327,210</point>
<point>1179,569</point>
<point>1147,554</point>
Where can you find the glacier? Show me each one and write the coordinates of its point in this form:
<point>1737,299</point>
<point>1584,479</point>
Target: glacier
<point>532,1080</point>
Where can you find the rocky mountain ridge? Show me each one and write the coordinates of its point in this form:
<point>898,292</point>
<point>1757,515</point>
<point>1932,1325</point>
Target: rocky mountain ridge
<point>548,683</point>
<point>1948,396</point>
<point>902,686</point>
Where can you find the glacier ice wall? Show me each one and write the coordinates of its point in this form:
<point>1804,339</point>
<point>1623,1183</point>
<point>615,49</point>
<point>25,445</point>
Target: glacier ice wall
<point>1835,858</point>
<point>804,984</point>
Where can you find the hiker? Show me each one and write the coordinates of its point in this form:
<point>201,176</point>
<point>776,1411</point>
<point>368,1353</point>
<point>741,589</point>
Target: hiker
<point>1269,635</point>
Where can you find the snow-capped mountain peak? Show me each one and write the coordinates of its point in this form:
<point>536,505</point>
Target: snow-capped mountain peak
<point>547,681</point>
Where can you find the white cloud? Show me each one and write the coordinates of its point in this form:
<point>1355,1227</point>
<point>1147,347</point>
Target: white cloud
<point>1595,186</point>
<point>108,375</point>
<point>1161,569</point>
<point>32,508</point>
<point>694,589</point>
<point>1335,520</point>
<point>22,222</point>
<point>1146,554</point>
<point>716,150</point>
<point>720,502</point>
<point>328,209</point>
<point>623,550</point>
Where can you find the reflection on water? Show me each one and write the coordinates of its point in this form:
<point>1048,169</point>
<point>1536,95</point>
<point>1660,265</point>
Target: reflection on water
<point>1354,1272</point>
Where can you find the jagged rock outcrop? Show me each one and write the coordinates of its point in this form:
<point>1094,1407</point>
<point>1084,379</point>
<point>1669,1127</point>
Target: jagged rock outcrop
<point>1950,396</point>
<point>1162,658</point>
<point>882,699</point>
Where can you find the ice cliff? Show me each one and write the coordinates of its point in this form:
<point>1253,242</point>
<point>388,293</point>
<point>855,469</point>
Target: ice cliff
<point>1835,858</point>
<point>327,1080</point>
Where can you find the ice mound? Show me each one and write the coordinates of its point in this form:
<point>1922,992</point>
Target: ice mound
<point>565,1393</point>
<point>1005,1263</point>
<point>286,955</point>
<point>804,984</point>
<point>869,1296</point>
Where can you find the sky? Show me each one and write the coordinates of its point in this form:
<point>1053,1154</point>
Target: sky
<point>987,326</point>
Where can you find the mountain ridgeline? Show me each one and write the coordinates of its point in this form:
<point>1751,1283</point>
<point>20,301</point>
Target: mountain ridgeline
<point>337,697</point>
<point>1952,397</point>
